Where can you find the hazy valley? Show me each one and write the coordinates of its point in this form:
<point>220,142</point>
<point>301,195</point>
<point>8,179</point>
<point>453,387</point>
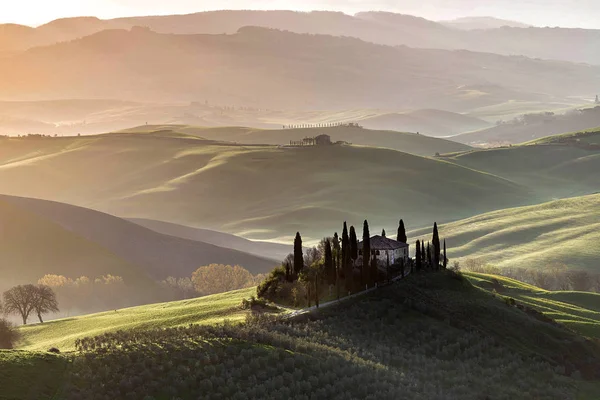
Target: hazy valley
<point>299,205</point>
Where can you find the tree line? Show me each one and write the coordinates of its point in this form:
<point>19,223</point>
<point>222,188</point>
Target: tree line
<point>337,267</point>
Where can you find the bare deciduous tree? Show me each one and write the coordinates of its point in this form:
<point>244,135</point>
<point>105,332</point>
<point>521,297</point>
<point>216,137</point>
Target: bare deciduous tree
<point>44,301</point>
<point>20,300</point>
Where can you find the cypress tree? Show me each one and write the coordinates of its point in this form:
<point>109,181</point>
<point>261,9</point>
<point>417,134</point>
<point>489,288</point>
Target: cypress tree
<point>445,258</point>
<point>328,263</point>
<point>436,247</point>
<point>366,253</point>
<point>423,254</point>
<point>345,251</point>
<point>335,248</point>
<point>353,245</point>
<point>402,233</point>
<point>298,256</point>
<point>383,233</point>
<point>429,260</point>
<point>418,258</point>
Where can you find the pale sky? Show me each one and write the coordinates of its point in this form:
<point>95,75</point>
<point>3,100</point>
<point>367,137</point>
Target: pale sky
<point>566,13</point>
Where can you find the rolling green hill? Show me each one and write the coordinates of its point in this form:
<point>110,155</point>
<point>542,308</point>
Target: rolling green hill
<point>579,311</point>
<point>159,255</point>
<point>428,336</point>
<point>32,246</point>
<point>556,170</point>
<point>406,142</point>
<point>205,310</point>
<point>560,232</point>
<point>527,128</point>
<point>256,191</point>
<point>40,237</point>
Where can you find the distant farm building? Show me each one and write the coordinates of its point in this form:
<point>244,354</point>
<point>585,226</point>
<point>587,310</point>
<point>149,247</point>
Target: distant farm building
<point>388,251</point>
<point>321,140</point>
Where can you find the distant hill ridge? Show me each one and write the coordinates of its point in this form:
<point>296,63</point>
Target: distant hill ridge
<point>44,237</point>
<point>492,35</point>
<point>254,64</point>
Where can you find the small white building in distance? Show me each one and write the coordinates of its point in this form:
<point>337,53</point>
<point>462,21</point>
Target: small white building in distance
<point>386,249</point>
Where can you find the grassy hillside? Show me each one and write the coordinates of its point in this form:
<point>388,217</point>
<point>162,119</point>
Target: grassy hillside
<point>259,192</point>
<point>406,142</point>
<point>554,171</point>
<point>559,232</point>
<point>527,128</point>
<point>427,122</point>
<point>32,246</point>
<point>205,310</point>
<point>429,336</point>
<point>579,311</point>
<point>157,255</point>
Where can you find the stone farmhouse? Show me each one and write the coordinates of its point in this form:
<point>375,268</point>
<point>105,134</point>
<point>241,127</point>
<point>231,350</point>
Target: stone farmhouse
<point>388,251</point>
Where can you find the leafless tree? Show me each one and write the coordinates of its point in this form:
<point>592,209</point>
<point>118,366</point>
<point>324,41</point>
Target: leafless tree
<point>44,301</point>
<point>20,300</point>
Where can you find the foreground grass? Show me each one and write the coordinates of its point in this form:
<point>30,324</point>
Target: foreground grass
<point>29,375</point>
<point>206,310</point>
<point>430,336</point>
<point>579,311</point>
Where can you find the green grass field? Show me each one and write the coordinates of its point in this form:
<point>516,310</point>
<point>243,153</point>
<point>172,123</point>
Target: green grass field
<point>206,310</point>
<point>579,311</point>
<point>559,232</point>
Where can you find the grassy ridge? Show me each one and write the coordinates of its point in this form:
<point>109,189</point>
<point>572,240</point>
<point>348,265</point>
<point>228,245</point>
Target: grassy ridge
<point>206,310</point>
<point>57,250</point>
<point>407,142</point>
<point>579,311</point>
<point>260,192</point>
<point>559,232</point>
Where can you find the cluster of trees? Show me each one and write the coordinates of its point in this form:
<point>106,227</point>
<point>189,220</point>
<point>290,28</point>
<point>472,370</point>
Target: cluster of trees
<point>432,256</point>
<point>552,277</point>
<point>337,266</point>
<point>211,279</point>
<point>23,300</point>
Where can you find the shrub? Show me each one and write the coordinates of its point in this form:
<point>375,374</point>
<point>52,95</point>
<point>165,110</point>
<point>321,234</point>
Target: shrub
<point>54,350</point>
<point>8,335</point>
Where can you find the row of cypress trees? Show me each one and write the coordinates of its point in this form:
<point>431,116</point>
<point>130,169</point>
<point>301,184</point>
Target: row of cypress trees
<point>431,256</point>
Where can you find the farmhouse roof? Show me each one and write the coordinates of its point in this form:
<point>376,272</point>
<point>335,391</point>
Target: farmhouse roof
<point>384,243</point>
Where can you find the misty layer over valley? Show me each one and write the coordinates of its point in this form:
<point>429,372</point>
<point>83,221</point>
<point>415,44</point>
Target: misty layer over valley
<point>308,205</point>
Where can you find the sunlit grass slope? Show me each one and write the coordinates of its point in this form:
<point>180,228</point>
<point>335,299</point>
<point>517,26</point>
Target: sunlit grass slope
<point>407,142</point>
<point>579,311</point>
<point>206,310</point>
<point>551,168</point>
<point>256,191</point>
<point>560,232</point>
